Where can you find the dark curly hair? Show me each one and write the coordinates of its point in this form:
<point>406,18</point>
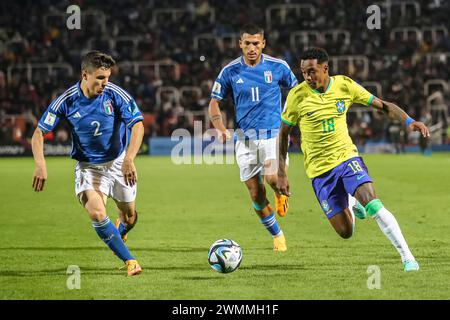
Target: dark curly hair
<point>315,53</point>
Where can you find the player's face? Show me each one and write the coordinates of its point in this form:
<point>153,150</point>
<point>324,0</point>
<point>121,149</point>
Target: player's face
<point>315,74</point>
<point>252,46</point>
<point>96,80</point>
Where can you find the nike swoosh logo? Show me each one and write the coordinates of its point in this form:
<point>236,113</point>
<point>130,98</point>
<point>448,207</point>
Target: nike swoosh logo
<point>360,177</point>
<point>309,114</point>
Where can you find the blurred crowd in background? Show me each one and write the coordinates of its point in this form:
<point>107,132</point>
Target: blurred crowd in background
<point>170,52</point>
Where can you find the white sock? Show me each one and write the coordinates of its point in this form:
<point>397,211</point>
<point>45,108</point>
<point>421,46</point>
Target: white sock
<point>351,203</point>
<point>389,225</point>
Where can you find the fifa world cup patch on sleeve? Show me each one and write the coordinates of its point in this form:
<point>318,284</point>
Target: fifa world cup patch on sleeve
<point>217,88</point>
<point>50,119</point>
<point>135,108</point>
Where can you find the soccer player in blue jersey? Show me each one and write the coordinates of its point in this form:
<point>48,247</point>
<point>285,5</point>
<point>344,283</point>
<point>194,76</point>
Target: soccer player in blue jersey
<point>107,132</point>
<point>254,81</point>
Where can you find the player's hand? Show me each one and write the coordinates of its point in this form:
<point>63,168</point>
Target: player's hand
<point>129,172</point>
<point>39,177</point>
<point>283,185</point>
<point>419,126</point>
<point>224,136</point>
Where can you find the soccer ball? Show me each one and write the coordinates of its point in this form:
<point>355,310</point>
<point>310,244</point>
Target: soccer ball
<point>225,256</point>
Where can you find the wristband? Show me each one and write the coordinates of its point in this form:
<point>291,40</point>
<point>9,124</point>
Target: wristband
<point>409,120</point>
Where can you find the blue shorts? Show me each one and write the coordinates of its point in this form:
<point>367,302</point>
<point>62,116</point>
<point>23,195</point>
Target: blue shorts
<point>332,187</point>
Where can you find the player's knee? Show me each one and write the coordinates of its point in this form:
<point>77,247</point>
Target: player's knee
<point>272,180</point>
<point>131,219</point>
<point>97,215</point>
<point>345,233</point>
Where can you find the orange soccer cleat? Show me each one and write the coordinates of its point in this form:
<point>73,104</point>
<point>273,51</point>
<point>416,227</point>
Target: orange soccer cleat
<point>281,204</point>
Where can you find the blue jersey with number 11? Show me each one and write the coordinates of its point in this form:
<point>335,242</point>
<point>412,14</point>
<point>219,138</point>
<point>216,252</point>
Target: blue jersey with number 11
<point>100,126</point>
<point>256,93</point>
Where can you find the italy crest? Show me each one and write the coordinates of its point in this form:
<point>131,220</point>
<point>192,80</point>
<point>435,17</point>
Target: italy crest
<point>108,107</point>
<point>268,76</point>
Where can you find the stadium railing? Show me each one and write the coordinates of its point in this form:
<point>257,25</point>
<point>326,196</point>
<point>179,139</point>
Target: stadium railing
<point>32,67</point>
<point>282,10</point>
<point>338,62</point>
<point>176,13</point>
<point>312,37</point>
<point>156,66</point>
<point>439,84</point>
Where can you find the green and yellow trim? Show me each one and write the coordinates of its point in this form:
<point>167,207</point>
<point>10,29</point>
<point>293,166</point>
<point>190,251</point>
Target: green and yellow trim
<point>288,122</point>
<point>328,87</point>
<point>370,100</point>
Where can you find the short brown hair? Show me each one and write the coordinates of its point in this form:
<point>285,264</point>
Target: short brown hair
<point>94,60</point>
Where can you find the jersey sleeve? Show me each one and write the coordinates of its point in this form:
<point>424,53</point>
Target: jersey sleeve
<point>53,114</point>
<point>290,113</point>
<point>359,94</point>
<point>125,103</point>
<point>130,112</point>
<point>288,78</point>
<point>221,86</point>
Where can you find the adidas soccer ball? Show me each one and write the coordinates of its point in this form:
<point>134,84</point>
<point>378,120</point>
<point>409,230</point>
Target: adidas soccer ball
<point>225,256</point>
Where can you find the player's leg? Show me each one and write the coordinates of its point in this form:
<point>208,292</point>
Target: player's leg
<point>127,217</point>
<point>357,182</point>
<point>333,199</point>
<point>343,223</point>
<point>269,151</point>
<point>92,185</point>
<point>271,177</point>
<point>356,208</point>
<point>250,166</point>
<point>94,203</point>
<point>264,210</point>
<point>365,194</point>
<point>124,196</point>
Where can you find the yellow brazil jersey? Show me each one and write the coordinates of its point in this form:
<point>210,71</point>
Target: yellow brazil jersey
<point>325,141</point>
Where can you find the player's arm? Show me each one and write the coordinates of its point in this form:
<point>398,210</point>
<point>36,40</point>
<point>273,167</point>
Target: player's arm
<point>216,119</point>
<point>396,113</point>
<point>128,168</point>
<point>283,135</point>
<point>40,170</point>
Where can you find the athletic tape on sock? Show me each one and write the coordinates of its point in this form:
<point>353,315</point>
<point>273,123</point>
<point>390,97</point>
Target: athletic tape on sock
<point>373,207</point>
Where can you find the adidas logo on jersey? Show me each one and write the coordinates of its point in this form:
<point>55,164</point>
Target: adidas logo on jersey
<point>240,81</point>
<point>77,115</point>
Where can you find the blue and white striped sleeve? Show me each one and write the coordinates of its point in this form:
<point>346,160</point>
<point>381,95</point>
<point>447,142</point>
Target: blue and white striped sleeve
<point>289,79</point>
<point>129,111</point>
<point>55,111</point>
<point>221,86</point>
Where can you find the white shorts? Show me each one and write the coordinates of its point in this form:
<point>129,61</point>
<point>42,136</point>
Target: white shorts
<point>251,155</point>
<point>106,178</point>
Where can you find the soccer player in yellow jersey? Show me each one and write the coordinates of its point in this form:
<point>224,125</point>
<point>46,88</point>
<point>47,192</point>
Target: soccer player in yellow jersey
<point>319,106</point>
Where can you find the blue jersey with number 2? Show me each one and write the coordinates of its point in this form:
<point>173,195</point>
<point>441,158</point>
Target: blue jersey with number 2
<point>100,126</point>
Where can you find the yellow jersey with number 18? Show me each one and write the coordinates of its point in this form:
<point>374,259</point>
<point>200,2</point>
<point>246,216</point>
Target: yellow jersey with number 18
<point>325,141</point>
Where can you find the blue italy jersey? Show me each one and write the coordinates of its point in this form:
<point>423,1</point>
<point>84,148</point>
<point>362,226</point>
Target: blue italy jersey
<point>100,126</point>
<point>256,93</point>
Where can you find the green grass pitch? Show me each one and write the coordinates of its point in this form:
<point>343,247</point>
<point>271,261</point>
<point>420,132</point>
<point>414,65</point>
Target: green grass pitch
<point>185,208</point>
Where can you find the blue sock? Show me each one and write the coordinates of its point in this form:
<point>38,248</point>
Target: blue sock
<point>271,225</point>
<point>122,229</point>
<point>111,236</point>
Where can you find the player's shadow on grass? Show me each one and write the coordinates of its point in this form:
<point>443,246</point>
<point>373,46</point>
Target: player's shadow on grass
<point>273,267</point>
<point>60,272</point>
<point>137,249</point>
